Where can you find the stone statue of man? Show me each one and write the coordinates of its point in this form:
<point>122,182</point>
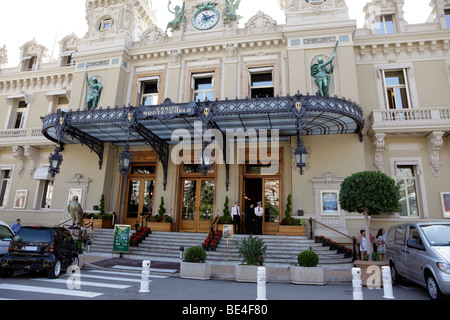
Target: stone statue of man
<point>76,212</point>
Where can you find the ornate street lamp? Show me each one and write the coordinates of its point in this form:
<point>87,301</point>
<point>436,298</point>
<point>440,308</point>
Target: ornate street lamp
<point>55,160</point>
<point>300,157</point>
<point>206,161</point>
<point>125,160</point>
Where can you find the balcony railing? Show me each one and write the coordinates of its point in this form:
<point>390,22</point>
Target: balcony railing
<point>23,136</point>
<point>410,120</point>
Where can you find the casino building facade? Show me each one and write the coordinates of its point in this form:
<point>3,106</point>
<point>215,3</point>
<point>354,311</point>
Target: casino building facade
<point>218,109</point>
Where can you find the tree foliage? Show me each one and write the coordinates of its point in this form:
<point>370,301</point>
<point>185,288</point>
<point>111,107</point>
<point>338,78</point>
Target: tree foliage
<point>370,190</point>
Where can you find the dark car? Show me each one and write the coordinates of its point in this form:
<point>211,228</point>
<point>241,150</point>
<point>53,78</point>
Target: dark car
<point>40,248</point>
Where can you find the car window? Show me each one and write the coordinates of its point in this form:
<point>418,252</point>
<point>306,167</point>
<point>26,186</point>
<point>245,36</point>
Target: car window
<point>437,235</point>
<point>414,234</point>
<point>400,234</point>
<point>5,233</point>
<point>34,234</point>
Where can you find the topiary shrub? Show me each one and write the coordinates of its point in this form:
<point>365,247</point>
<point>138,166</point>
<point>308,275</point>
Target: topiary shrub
<point>308,258</point>
<point>195,254</point>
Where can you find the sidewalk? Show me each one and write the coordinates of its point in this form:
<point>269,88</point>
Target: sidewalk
<point>219,271</point>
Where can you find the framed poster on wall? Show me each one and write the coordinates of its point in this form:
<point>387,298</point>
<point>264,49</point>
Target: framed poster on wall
<point>20,199</point>
<point>445,201</point>
<point>329,201</point>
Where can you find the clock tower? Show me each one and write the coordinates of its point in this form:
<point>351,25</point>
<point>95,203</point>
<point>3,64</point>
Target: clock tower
<point>212,16</point>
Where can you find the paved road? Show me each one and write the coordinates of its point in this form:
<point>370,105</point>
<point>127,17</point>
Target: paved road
<point>124,284</point>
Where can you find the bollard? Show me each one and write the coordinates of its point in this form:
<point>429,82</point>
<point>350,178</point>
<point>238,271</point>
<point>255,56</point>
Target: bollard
<point>261,284</point>
<point>387,283</point>
<point>145,276</point>
<point>357,284</point>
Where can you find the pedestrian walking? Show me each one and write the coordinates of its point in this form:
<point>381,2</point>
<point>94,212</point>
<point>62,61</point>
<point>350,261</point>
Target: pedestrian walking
<point>362,244</point>
<point>16,226</point>
<point>381,248</point>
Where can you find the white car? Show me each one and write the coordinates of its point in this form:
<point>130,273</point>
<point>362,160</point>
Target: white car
<point>6,236</point>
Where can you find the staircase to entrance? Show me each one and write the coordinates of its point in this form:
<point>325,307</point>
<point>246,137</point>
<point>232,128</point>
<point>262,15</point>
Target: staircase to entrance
<point>165,246</point>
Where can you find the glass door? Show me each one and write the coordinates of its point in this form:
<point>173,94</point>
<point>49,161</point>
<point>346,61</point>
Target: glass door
<point>197,205</point>
<point>139,200</point>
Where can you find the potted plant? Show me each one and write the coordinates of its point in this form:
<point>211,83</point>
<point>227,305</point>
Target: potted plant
<point>80,252</point>
<point>226,217</point>
<point>307,271</point>
<point>290,226</point>
<point>102,219</point>
<point>194,266</point>
<point>370,193</point>
<point>252,250</point>
<point>162,221</point>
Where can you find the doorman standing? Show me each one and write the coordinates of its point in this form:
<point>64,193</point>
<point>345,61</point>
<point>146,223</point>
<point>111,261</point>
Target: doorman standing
<point>250,219</point>
<point>236,214</point>
<point>259,214</point>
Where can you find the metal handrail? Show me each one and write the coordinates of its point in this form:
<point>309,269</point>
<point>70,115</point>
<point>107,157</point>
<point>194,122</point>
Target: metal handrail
<point>354,256</point>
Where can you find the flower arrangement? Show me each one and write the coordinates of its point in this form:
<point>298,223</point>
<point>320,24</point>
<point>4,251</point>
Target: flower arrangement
<point>140,234</point>
<point>334,245</point>
<point>212,240</point>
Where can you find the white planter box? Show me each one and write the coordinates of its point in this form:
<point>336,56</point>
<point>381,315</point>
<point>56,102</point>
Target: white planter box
<point>81,260</point>
<point>311,276</point>
<point>199,271</point>
<point>247,273</point>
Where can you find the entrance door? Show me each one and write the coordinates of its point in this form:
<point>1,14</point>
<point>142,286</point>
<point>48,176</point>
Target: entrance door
<point>266,190</point>
<point>197,204</point>
<point>140,199</point>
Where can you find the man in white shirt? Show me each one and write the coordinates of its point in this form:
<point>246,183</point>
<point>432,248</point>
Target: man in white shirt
<point>236,215</point>
<point>259,211</point>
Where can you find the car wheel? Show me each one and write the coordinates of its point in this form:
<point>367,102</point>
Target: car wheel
<point>6,273</point>
<point>396,278</point>
<point>433,288</point>
<point>54,271</point>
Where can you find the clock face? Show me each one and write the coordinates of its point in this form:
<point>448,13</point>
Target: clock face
<point>205,19</point>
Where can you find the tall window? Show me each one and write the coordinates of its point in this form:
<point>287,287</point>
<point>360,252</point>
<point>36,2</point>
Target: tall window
<point>21,112</point>
<point>202,86</point>
<point>5,177</point>
<point>29,64</point>
<point>447,17</point>
<point>261,82</point>
<point>149,93</point>
<point>406,180</point>
<point>47,193</point>
<point>396,86</point>
<point>385,24</point>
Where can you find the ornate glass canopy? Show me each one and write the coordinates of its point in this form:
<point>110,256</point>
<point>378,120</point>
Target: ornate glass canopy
<point>154,125</point>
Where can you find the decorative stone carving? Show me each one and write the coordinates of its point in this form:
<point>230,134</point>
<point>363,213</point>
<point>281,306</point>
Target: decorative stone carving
<point>230,51</point>
<point>31,154</point>
<point>18,153</point>
<point>378,141</point>
<point>3,56</point>
<point>154,36</point>
<point>261,23</point>
<point>175,57</point>
<point>435,142</point>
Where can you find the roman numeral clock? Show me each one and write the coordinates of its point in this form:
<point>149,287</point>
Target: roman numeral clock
<point>206,16</point>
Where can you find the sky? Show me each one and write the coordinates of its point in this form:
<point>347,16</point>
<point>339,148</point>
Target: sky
<point>48,21</point>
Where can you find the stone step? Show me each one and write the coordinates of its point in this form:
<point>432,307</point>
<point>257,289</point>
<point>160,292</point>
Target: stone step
<point>281,250</point>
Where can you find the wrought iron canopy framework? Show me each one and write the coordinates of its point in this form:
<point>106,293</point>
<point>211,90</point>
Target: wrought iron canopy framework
<point>154,125</point>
